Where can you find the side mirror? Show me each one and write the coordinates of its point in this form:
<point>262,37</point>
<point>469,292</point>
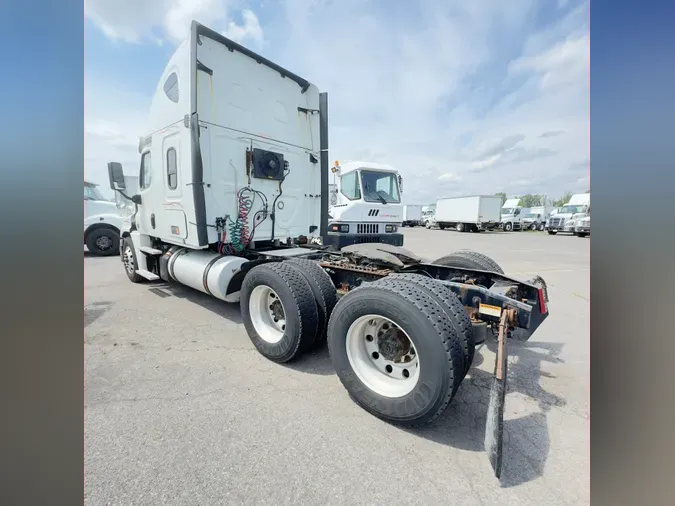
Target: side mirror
<point>400,183</point>
<point>116,176</point>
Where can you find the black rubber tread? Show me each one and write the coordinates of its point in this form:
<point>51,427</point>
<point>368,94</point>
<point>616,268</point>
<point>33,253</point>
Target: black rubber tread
<point>135,277</point>
<point>324,291</point>
<point>414,304</point>
<point>95,234</point>
<point>299,304</point>
<point>552,232</point>
<point>469,260</point>
<point>453,308</point>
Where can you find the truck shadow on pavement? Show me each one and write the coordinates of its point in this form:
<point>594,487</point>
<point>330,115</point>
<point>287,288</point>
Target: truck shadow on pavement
<point>93,311</point>
<point>224,309</point>
<point>526,439</point>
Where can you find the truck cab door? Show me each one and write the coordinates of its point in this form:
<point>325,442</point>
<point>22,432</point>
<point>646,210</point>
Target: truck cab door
<point>146,220</point>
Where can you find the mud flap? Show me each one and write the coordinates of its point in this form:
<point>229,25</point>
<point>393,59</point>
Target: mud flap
<point>494,426</point>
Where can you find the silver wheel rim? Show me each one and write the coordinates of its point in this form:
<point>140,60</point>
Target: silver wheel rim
<point>383,356</point>
<point>128,259</point>
<point>267,314</point>
<point>460,227</point>
<point>104,243</point>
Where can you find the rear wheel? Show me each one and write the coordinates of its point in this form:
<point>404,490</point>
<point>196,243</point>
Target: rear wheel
<point>581,234</point>
<point>103,242</point>
<point>441,226</point>
<point>552,232</point>
<point>453,308</point>
<point>542,227</point>
<point>467,259</point>
<point>279,311</point>
<point>533,226</point>
<point>459,227</point>
<point>323,289</point>
<point>394,351</point>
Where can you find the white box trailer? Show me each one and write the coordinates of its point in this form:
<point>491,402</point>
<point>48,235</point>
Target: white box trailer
<point>412,216</point>
<point>474,213</point>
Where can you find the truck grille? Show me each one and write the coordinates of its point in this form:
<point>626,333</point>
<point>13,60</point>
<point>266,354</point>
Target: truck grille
<point>368,228</point>
<point>366,239</point>
<point>556,222</point>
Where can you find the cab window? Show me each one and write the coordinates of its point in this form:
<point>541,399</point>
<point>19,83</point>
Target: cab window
<point>146,171</point>
<point>349,186</point>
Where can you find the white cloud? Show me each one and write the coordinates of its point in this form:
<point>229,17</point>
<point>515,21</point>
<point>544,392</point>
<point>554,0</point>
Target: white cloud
<point>568,62</point>
<point>114,120</point>
<point>135,21</point>
<point>129,21</point>
<point>450,177</point>
<point>250,30</point>
<point>425,95</point>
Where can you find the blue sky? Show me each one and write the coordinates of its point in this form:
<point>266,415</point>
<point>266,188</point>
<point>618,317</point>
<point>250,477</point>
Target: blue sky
<point>462,97</point>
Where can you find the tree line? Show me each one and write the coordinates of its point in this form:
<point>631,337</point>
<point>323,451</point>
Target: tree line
<point>533,200</point>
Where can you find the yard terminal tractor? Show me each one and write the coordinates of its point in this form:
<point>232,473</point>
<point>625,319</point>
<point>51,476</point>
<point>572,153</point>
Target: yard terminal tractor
<point>233,197</point>
<point>365,205</point>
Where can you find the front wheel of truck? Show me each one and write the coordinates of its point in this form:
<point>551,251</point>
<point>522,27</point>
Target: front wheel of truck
<point>129,261</point>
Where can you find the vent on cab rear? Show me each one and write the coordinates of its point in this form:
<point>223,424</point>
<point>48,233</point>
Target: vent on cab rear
<point>268,165</point>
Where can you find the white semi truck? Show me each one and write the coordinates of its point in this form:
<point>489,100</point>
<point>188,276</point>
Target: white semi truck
<point>510,215</point>
<point>102,222</point>
<point>234,186</point>
<point>534,218</point>
<point>365,205</point>
<point>412,215</point>
<point>566,218</point>
<point>472,213</point>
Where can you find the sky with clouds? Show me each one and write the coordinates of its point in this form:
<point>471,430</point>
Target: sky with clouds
<point>463,97</point>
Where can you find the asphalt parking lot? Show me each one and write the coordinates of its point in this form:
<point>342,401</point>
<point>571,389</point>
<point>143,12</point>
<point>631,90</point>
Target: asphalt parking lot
<point>181,409</point>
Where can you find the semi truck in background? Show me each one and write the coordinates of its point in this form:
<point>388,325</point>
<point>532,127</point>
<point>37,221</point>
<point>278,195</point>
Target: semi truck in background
<point>565,219</point>
<point>428,215</point>
<point>125,205</point>
<point>510,215</point>
<point>412,216</point>
<point>102,222</point>
<point>534,218</point>
<point>365,205</point>
<point>472,213</point>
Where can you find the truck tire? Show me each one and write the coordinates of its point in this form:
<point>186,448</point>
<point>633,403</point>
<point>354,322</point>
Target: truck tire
<point>278,311</point>
<point>412,323</point>
<point>508,227</point>
<point>552,232</point>
<point>441,226</point>
<point>129,261</point>
<point>468,259</point>
<point>427,225</point>
<point>323,289</point>
<point>533,226</point>
<point>581,234</point>
<point>103,242</point>
<point>542,227</point>
<point>454,311</point>
<point>459,227</point>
